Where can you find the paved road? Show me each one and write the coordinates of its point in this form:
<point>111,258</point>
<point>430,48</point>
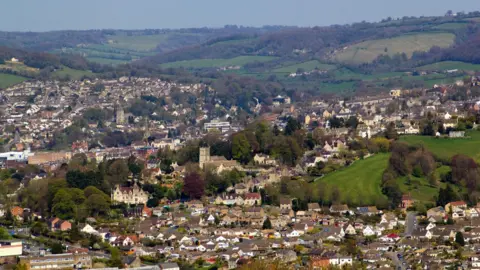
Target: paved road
<point>396,261</point>
<point>410,223</point>
<point>16,139</point>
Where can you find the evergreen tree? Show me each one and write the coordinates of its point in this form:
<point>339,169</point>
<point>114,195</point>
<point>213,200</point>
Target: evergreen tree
<point>446,195</point>
<point>459,239</point>
<point>267,224</point>
<point>292,126</point>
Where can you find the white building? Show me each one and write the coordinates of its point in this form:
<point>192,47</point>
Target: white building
<point>17,156</point>
<point>88,229</point>
<point>10,248</point>
<point>129,195</point>
<point>217,125</point>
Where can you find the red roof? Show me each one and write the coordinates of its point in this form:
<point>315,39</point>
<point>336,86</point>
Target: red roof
<point>458,203</point>
<point>254,196</point>
<point>16,211</point>
<point>147,211</point>
<point>393,235</point>
<point>126,189</point>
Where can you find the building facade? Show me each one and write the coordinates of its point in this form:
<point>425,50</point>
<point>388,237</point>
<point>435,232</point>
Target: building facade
<point>57,261</point>
<point>217,125</point>
<point>129,195</point>
<point>10,248</point>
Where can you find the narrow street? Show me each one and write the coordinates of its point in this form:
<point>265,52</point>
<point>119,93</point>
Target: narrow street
<point>410,223</point>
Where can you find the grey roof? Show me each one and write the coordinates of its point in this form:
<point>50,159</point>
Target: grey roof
<point>168,265</point>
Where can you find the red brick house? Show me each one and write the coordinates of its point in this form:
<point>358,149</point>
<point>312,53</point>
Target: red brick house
<point>57,224</point>
<point>146,212</point>
<point>407,202</point>
<point>319,262</point>
<point>63,225</point>
<point>52,222</point>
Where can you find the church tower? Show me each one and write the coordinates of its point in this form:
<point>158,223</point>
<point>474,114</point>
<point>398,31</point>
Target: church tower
<point>204,156</point>
<point>146,133</point>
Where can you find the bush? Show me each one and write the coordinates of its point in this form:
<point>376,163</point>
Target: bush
<point>417,171</point>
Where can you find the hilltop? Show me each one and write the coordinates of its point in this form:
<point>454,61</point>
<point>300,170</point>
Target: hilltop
<point>342,60</point>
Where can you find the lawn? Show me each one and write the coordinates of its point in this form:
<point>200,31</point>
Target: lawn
<point>7,80</point>
<point>211,63</point>
<point>446,148</point>
<point>449,65</point>
<point>307,66</point>
<point>359,183</point>
<point>367,51</point>
<point>73,73</point>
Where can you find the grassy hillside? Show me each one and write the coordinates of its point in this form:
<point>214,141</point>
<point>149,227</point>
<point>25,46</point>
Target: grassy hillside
<point>446,148</point>
<point>209,63</point>
<point>451,26</point>
<point>360,183</point>
<point>136,43</point>
<point>107,53</point>
<point>367,51</point>
<point>307,66</point>
<point>448,65</point>
<point>106,61</point>
<point>419,188</point>
<point>18,66</point>
<point>7,80</point>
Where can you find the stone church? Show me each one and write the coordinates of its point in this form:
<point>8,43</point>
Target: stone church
<point>219,162</point>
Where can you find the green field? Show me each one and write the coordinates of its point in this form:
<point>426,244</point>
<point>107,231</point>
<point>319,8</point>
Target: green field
<point>451,26</point>
<point>337,87</point>
<point>444,80</point>
<point>446,148</point>
<point>136,43</point>
<point>18,67</point>
<point>346,74</point>
<point>7,80</point>
<point>449,65</point>
<point>212,63</point>
<point>73,73</point>
<point>307,66</point>
<point>106,61</point>
<point>367,51</point>
<point>106,54</point>
<point>359,183</point>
